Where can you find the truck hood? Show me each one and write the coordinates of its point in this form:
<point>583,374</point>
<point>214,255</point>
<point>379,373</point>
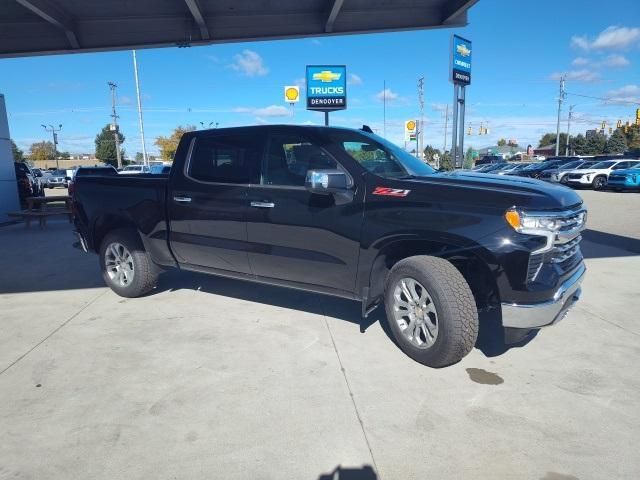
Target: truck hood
<point>501,191</point>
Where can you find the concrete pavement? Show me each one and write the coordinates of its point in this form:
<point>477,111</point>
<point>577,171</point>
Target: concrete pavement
<point>214,378</point>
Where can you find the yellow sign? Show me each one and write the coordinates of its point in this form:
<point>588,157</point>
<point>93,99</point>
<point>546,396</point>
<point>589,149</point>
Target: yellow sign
<point>291,93</point>
<point>410,130</point>
<point>326,76</point>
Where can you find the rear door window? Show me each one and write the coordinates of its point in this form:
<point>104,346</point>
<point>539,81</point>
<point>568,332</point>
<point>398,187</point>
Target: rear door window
<point>225,159</point>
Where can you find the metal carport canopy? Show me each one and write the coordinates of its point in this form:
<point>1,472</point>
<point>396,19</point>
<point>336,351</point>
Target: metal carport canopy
<point>41,27</point>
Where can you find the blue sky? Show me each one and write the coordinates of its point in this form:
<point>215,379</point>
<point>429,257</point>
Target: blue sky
<point>519,50</point>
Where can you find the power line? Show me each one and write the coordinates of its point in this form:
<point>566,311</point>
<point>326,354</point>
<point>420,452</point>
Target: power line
<point>604,99</point>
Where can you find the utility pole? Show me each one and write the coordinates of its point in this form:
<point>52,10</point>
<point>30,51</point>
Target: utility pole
<point>384,108</point>
<point>566,153</point>
<point>144,147</point>
<point>560,99</point>
<point>114,124</point>
<point>420,132</point>
<point>54,132</point>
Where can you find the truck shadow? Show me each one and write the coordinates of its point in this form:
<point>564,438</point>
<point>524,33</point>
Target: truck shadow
<point>491,340</point>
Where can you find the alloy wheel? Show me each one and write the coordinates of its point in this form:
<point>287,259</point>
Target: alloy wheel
<point>415,313</point>
<point>119,264</point>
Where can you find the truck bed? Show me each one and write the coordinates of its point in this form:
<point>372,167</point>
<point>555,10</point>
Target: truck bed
<point>140,199</point>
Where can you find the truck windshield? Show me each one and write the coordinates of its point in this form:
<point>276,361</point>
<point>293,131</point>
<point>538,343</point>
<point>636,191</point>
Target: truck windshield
<point>380,156</point>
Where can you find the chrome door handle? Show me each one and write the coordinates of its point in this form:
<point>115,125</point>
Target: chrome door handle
<point>182,199</point>
<point>263,204</point>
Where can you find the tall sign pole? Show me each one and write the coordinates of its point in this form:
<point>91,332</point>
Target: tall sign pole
<point>421,123</point>
<point>460,77</point>
<point>560,99</point>
<point>326,89</point>
<point>145,158</point>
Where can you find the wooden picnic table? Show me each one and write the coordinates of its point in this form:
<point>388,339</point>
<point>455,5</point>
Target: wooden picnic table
<point>42,202</point>
<point>44,212</point>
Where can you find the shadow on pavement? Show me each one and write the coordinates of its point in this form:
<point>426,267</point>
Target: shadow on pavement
<point>604,239</point>
<point>340,473</point>
<point>491,337</point>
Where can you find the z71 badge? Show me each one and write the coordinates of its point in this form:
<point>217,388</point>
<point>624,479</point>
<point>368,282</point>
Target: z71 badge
<point>391,192</point>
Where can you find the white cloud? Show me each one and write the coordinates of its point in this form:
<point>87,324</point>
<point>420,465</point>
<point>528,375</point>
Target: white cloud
<point>213,58</point>
<point>584,75</point>
<point>354,79</point>
<point>580,62</point>
<point>124,100</point>
<point>300,82</point>
<point>249,63</point>
<point>613,37</point>
<point>624,95</point>
<point>387,94</point>
<point>615,60</point>
<point>580,42</point>
<point>270,111</point>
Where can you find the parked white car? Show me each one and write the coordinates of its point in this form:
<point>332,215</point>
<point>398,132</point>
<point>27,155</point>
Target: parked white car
<point>134,169</point>
<point>597,176</point>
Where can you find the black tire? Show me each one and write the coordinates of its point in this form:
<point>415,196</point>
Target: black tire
<point>145,272</point>
<point>457,316</point>
<point>599,183</point>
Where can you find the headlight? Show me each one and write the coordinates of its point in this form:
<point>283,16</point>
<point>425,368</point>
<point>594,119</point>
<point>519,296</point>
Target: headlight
<point>587,177</point>
<point>532,224</point>
<point>633,178</point>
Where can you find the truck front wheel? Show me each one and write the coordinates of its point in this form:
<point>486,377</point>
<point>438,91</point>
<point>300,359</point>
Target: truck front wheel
<point>431,311</point>
<point>126,267</point>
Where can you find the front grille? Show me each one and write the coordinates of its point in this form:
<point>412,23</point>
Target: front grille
<point>574,176</point>
<point>565,254</point>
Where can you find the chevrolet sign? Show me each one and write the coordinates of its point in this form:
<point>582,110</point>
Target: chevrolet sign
<point>326,87</point>
<point>460,60</point>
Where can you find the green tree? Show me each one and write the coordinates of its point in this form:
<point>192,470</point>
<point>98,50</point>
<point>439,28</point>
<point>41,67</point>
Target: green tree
<point>430,153</point>
<point>42,151</point>
<point>550,139</point>
<point>169,145</point>
<point>139,157</point>
<point>502,142</point>
<point>446,161</point>
<point>595,144</point>
<point>617,143</point>
<point>578,144</point>
<point>64,155</point>
<point>632,137</point>
<point>106,146</point>
<point>468,159</point>
<point>18,155</point>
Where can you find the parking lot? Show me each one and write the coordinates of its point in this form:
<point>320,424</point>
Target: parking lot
<point>215,378</point>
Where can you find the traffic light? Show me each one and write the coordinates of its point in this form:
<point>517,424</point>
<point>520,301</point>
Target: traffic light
<point>469,131</point>
<point>604,124</point>
<point>610,130</point>
<point>619,124</point>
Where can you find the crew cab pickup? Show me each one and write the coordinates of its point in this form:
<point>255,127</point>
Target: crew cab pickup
<point>344,212</point>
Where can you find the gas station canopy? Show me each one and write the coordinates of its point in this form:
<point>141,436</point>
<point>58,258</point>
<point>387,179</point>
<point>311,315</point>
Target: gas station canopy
<point>40,27</point>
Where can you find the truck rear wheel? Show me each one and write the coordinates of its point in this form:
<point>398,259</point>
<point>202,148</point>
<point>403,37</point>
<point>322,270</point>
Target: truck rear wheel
<point>126,267</point>
<point>431,311</point>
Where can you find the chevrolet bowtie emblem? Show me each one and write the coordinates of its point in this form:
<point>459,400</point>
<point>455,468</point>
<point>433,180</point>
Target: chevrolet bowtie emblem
<point>326,76</point>
<point>463,50</point>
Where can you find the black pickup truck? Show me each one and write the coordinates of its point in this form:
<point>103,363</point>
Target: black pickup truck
<point>344,212</point>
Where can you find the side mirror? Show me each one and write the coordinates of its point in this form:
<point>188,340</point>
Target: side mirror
<point>326,181</point>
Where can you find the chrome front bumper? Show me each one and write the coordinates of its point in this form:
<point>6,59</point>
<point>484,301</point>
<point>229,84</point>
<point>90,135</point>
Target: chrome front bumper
<point>537,315</point>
